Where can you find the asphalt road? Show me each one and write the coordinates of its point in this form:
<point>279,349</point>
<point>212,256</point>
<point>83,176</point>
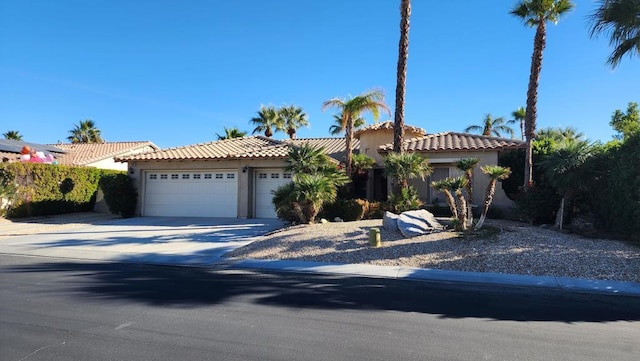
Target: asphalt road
<point>52,309</point>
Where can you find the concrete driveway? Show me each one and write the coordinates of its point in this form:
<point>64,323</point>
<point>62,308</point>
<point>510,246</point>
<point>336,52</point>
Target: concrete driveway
<point>158,240</point>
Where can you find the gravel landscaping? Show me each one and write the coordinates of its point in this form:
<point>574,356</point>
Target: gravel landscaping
<point>518,248</point>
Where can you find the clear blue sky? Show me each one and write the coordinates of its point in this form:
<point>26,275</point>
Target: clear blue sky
<point>177,72</point>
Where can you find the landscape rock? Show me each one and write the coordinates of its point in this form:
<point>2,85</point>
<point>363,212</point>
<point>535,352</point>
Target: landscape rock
<point>418,223</point>
<point>390,221</point>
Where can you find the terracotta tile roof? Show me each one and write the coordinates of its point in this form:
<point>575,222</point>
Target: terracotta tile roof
<point>334,147</point>
<point>83,154</point>
<point>235,148</point>
<point>387,125</point>
<point>452,142</point>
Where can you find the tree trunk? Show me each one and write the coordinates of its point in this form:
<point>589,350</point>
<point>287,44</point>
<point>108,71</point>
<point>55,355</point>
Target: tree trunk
<point>539,43</point>
<point>469,190</point>
<point>348,145</point>
<point>462,210</point>
<point>491,190</point>
<point>401,76</point>
<point>451,202</point>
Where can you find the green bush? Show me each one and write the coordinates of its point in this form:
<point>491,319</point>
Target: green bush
<point>44,189</point>
<point>407,199</point>
<point>539,205</point>
<point>346,209</point>
<point>119,193</point>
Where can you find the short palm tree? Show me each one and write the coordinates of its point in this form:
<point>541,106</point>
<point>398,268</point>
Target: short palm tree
<point>361,163</point>
<point>405,166</point>
<point>519,116</point>
<point>467,165</point>
<point>85,132</point>
<point>565,170</point>
<point>444,186</point>
<point>352,109</point>
<point>339,128</point>
<point>494,172</point>
<point>267,121</point>
<point>490,127</point>
<point>456,185</point>
<point>12,135</point>
<point>535,14</point>
<point>230,133</point>
<point>620,19</point>
<point>292,118</point>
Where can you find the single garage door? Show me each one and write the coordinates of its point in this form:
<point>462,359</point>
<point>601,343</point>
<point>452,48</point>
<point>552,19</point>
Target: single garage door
<point>191,193</point>
<point>267,180</point>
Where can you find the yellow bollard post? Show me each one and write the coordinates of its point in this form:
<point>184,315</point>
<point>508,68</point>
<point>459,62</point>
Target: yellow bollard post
<point>374,238</point>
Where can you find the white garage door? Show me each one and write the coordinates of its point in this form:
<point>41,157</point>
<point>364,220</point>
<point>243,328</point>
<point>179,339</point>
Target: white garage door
<point>267,180</point>
<point>191,193</point>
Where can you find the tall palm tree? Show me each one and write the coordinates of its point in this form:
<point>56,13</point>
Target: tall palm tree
<point>230,133</point>
<point>292,118</point>
<point>494,172</point>
<point>536,13</point>
<point>519,116</point>
<point>12,135</point>
<point>620,19</point>
<point>490,126</point>
<point>351,109</point>
<point>267,121</point>
<point>338,127</point>
<point>85,132</point>
<point>401,76</point>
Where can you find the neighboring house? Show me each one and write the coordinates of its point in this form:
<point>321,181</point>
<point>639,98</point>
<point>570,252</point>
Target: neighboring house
<point>10,149</point>
<point>101,155</point>
<point>235,177</point>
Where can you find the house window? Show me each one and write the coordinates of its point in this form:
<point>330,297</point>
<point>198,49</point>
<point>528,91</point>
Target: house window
<point>219,175</point>
<point>275,175</point>
<point>153,176</point>
<point>262,176</point>
<point>196,176</point>
<point>230,176</point>
<point>207,176</point>
<point>286,175</point>
<point>163,176</point>
<point>174,176</point>
<point>185,176</point>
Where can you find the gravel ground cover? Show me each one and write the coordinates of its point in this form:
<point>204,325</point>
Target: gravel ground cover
<point>518,248</point>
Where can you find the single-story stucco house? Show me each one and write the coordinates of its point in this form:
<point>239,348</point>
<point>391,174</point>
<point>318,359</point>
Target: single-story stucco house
<point>102,155</point>
<point>235,177</point>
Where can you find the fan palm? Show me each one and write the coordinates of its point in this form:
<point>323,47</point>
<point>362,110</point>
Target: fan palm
<point>267,121</point>
<point>401,76</point>
<point>230,133</point>
<point>444,186</point>
<point>494,172</point>
<point>560,134</point>
<point>405,166</point>
<point>85,132</point>
<point>490,126</point>
<point>292,118</point>
<point>565,171</point>
<point>12,135</point>
<point>352,109</point>
<point>620,19</point>
<point>536,13</point>
<point>519,116</point>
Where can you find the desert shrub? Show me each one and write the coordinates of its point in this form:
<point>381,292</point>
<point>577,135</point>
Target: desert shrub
<point>346,209</point>
<point>539,205</point>
<point>119,194</point>
<point>406,199</point>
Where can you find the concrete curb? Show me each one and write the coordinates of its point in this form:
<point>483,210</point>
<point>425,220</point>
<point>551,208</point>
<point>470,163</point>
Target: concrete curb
<point>431,275</point>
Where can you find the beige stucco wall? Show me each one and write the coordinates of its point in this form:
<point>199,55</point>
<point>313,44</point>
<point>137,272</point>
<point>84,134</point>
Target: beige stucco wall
<point>371,140</point>
<point>480,180</point>
<point>245,178</point>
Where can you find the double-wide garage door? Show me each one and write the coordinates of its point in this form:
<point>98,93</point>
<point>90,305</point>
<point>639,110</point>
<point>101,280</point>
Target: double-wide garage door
<point>191,193</point>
